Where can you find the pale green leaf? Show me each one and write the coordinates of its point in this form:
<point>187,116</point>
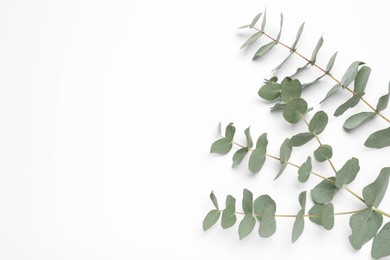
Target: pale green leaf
<point>211,218</point>
<point>301,139</point>
<point>281,170</point>
<point>264,20</point>
<point>374,192</point>
<point>252,39</point>
<point>246,226</point>
<point>305,170</point>
<point>294,110</point>
<point>261,203</point>
<point>264,49</point>
<point>316,50</point>
<point>281,26</point>
<point>278,106</point>
<point>247,201</point>
<point>255,19</point>
<point>299,225</point>
<point>323,153</point>
<point>379,139</point>
<point>256,160</point>
<point>270,91</point>
<point>381,244</point>
<point>214,200</point>
<point>347,173</point>
<point>262,141</point>
<point>353,101</point>
<point>229,217</point>
<point>249,141</point>
<point>244,26</point>
<point>239,155</point>
<point>325,216</point>
<point>350,74</point>
<point>324,191</point>
<point>331,92</point>
<point>300,69</point>
<point>230,131</point>
<point>302,200</point>
<point>268,223</point>
<point>285,151</point>
<point>283,62</point>
<point>364,226</point>
<point>361,79</point>
<point>358,119</point>
<point>308,84</point>
<point>221,146</point>
<point>318,122</point>
<point>383,101</point>
<point>331,61</point>
<point>291,89</point>
<point>299,33</point>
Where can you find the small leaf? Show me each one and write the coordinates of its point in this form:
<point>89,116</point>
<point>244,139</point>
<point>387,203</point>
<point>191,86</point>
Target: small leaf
<point>301,139</point>
<point>316,50</point>
<point>270,91</point>
<point>358,119</point>
<point>285,151</point>
<point>255,19</point>
<point>230,131</point>
<point>251,39</point>
<point>308,84</point>
<point>361,79</point>
<point>326,215</point>
<point>299,225</point>
<point>374,192</point>
<point>331,92</point>
<point>305,170</point>
<point>244,26</point>
<point>318,122</point>
<point>294,110</point>
<point>331,62</point>
<point>247,201</point>
<point>324,191</point>
<point>246,226</point>
<point>293,46</point>
<point>278,106</point>
<point>264,49</point>
<point>300,69</point>
<point>261,203</point>
<point>211,218</point>
<point>383,101</point>
<point>350,74</point>
<point>281,170</point>
<point>228,215</point>
<point>221,146</point>
<point>239,155</point>
<point>257,158</point>
<point>268,223</point>
<point>264,20</point>
<point>347,173</point>
<point>379,139</point>
<point>381,244</point>
<point>353,101</point>
<point>302,200</point>
<point>364,226</point>
<point>249,141</point>
<point>291,89</point>
<point>323,153</point>
<point>281,26</point>
<point>283,62</point>
<point>214,200</point>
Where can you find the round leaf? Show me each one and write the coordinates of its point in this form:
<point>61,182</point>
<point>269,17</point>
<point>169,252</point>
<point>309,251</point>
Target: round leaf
<point>211,218</point>
<point>381,244</point>
<point>305,170</point>
<point>246,226</point>
<point>323,153</point>
<point>294,110</point>
<point>318,122</point>
<point>301,139</point>
<point>291,89</point>
<point>324,191</point>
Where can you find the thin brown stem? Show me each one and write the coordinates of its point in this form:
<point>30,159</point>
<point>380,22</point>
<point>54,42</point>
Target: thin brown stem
<point>306,215</point>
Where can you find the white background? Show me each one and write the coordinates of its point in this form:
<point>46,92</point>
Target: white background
<point>108,110</point>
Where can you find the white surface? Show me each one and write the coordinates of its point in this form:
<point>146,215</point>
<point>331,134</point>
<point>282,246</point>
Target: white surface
<point>108,110</point>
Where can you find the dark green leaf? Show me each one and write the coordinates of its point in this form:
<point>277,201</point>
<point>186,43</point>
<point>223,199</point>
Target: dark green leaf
<point>331,92</point>
<point>239,156</point>
<point>228,215</point>
<point>374,192</point>
<point>252,39</point>
<point>214,200</point>
<point>305,170</point>
<point>261,203</point>
<point>268,223</point>
<point>247,201</point>
<point>264,49</point>
<point>270,91</point>
<point>331,62</point>
<point>323,153</point>
<point>249,141</point>
<point>347,173</point>
<point>246,226</point>
<point>318,122</point>
<point>293,46</point>
<point>356,120</point>
<point>350,74</point>
<point>221,146</point>
<point>291,89</point>
<point>381,244</point>
<point>353,101</point>
<point>210,219</point>
<point>383,101</point>
<point>326,215</point>
<point>316,50</point>
<point>324,191</point>
<point>364,226</point>
<point>285,151</point>
<point>379,139</point>
<point>299,225</point>
<point>230,131</point>
<point>294,110</point>
<point>361,79</point>
<point>301,139</point>
<point>255,19</point>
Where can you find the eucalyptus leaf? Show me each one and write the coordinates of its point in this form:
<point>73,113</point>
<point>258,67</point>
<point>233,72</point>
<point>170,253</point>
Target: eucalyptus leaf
<point>211,218</point>
<point>299,33</point>
<point>318,122</point>
<point>381,244</point>
<point>353,101</point>
<point>247,201</point>
<point>299,225</point>
<point>246,226</point>
<point>264,49</point>
<point>374,192</point>
<point>347,173</point>
<point>281,170</point>
<point>278,106</point>
<point>308,84</point>
<point>326,215</point>
<point>331,61</point>
<point>364,226</point>
<point>229,217</point>
<point>252,39</point>
<point>255,19</point>
<point>362,79</point>
<point>294,110</point>
<point>264,20</point>
<point>268,223</point>
<point>230,131</point>
<point>316,50</point>
<point>285,151</point>
<point>261,203</point>
<point>358,119</point>
<point>305,170</point>
<point>301,139</point>
<point>300,69</point>
<point>281,27</point>
<point>214,200</point>
<point>350,74</point>
<point>383,101</point>
<point>258,156</point>
<point>323,152</point>
<point>221,146</point>
<point>283,62</point>
<point>270,91</point>
<point>249,141</point>
<point>331,92</point>
<point>244,26</point>
<point>291,89</point>
<point>302,200</point>
<point>239,155</point>
<point>324,191</point>
<point>379,139</point>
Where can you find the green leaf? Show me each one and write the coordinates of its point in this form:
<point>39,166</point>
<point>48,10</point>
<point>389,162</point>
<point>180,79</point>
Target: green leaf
<point>350,74</point>
<point>281,26</point>
<point>246,226</point>
<point>214,200</point>
<point>331,62</point>
<point>252,39</point>
<point>230,131</point>
<point>347,173</point>
<point>264,49</point>
<point>300,69</point>
<point>383,101</point>
<point>318,122</point>
<point>261,203</point>
<point>358,119</point>
<point>285,151</point>
<point>353,101</point>
<point>244,26</point>
<point>305,170</point>
<point>361,79</point>
<point>270,91</point>
<point>299,225</point>
<point>326,215</point>
<point>331,92</point>
<point>302,200</point>
<point>249,141</point>
<point>294,110</point>
<point>264,20</point>
<point>316,50</point>
<point>301,139</point>
<point>247,201</point>
<point>308,84</point>
<point>374,192</point>
<point>381,244</point>
<point>281,170</point>
<point>364,226</point>
<point>239,156</point>
<point>324,191</point>
<point>221,146</point>
<point>283,62</point>
<point>257,158</point>
<point>323,153</point>
<point>211,218</point>
<point>299,33</point>
<point>278,106</point>
<point>228,215</point>
<point>268,223</point>
<point>379,139</point>
<point>291,89</point>
<point>255,19</point>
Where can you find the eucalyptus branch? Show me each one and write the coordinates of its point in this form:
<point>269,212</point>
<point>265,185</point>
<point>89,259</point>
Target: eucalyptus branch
<point>305,215</point>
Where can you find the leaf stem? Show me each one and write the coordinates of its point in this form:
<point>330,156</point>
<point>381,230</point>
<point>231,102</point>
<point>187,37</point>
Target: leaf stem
<point>325,72</point>
<point>306,215</point>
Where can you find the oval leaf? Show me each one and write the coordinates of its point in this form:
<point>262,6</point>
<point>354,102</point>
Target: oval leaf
<point>291,89</point>
<point>350,74</point>
<point>325,216</point>
<point>261,203</point>
<point>285,151</point>
<point>305,170</point>
<point>301,139</point>
<point>264,49</point>
<point>353,101</point>
<point>324,191</point>
<point>255,19</point>
<point>374,192</point>
<point>298,227</point>
<point>270,91</point>
<point>361,79</point>
<point>323,153</point>
<point>239,155</point>
<point>211,218</point>
<point>294,110</point>
<point>318,122</point>
<point>383,101</point>
<point>347,173</point>
<point>268,223</point>
<point>358,119</point>
<point>221,146</point>
<point>249,141</point>
<point>331,61</point>
<point>252,39</point>
<point>379,139</point>
<point>381,244</point>
<point>247,201</point>
<point>246,226</point>
<point>229,214</point>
